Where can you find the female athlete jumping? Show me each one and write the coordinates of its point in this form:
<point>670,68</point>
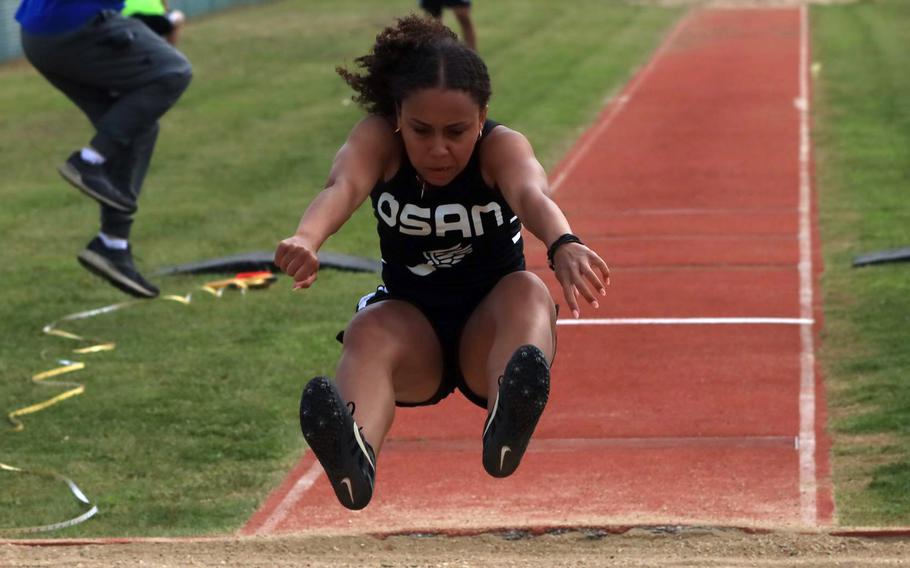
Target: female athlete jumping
<point>451,191</point>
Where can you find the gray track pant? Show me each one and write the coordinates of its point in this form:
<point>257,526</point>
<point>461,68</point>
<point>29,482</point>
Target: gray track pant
<point>124,77</point>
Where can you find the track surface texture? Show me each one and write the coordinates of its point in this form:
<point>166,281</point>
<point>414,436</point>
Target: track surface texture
<point>692,396</point>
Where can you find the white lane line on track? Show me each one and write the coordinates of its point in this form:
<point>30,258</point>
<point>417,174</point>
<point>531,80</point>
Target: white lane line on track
<point>808,483</point>
<point>617,106</point>
<point>687,321</point>
<point>550,445</point>
<point>290,500</point>
<point>681,212</point>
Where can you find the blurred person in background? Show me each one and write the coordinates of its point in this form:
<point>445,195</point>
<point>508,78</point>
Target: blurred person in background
<point>462,10</point>
<point>156,15</point>
<point>123,77</point>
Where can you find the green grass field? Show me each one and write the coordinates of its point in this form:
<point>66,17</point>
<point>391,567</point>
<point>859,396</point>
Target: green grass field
<point>191,421</point>
<point>863,141</point>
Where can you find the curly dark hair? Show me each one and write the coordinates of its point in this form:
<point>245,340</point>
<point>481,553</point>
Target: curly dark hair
<point>416,53</point>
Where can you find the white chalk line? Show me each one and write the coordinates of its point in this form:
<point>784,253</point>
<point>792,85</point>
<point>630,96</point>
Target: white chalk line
<point>290,500</point>
<point>808,482</point>
<point>689,321</point>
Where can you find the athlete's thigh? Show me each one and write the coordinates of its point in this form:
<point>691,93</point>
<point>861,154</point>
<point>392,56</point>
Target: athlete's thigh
<point>394,336</point>
<point>519,308</point>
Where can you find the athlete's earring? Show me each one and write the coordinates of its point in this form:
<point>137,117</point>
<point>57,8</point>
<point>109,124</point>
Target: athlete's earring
<point>397,130</point>
<point>480,134</point>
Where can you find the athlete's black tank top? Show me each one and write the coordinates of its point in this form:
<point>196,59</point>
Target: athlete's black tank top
<point>445,242</point>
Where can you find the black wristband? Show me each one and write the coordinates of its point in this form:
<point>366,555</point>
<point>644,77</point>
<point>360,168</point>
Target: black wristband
<point>563,240</point>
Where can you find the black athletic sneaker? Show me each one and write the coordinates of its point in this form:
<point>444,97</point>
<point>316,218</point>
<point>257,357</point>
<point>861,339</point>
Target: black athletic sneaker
<point>116,266</point>
<point>329,428</point>
<point>523,392</point>
<point>92,180</point>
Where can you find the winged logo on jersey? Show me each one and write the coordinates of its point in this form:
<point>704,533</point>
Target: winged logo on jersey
<point>442,258</point>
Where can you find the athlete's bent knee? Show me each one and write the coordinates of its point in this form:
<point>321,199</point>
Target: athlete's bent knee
<point>529,285</point>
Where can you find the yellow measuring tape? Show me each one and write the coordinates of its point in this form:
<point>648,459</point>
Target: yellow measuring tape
<point>242,282</point>
<point>65,365</point>
<point>75,389</point>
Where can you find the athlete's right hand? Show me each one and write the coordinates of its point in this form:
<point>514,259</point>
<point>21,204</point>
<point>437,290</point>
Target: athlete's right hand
<point>296,258</point>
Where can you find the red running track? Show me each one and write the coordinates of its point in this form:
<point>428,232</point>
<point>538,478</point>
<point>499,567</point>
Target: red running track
<point>692,396</point>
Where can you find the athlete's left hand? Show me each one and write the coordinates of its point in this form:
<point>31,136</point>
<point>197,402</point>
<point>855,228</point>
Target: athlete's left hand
<point>580,271</point>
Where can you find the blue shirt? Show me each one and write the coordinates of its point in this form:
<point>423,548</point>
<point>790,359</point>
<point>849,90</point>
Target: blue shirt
<point>50,17</point>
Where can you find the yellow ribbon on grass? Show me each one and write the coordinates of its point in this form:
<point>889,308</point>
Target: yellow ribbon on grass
<point>243,282</point>
<point>75,389</point>
<point>65,366</point>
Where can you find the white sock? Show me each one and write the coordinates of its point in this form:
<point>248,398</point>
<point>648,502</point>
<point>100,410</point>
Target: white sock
<point>113,242</point>
<point>176,17</point>
<point>91,156</point>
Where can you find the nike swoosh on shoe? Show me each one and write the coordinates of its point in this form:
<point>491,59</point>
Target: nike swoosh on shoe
<point>347,483</point>
<point>502,456</point>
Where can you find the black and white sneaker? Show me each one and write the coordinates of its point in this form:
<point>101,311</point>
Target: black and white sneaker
<point>329,428</point>
<point>116,266</point>
<point>92,180</point>
<point>523,392</point>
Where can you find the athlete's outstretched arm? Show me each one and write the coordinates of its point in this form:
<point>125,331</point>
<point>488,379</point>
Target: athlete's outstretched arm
<point>358,165</point>
<point>512,166</point>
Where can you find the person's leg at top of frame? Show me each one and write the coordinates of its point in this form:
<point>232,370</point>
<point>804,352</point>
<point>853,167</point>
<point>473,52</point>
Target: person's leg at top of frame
<point>463,14</point>
<point>177,19</point>
<point>462,11</point>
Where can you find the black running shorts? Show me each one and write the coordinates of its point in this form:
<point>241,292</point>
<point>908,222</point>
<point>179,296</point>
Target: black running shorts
<point>448,324</point>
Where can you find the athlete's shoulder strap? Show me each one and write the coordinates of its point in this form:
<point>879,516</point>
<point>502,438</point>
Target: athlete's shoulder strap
<point>488,127</point>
